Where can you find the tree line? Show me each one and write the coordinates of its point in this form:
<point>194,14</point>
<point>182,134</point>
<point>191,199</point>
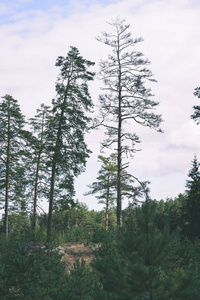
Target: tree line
<point>156,256</point>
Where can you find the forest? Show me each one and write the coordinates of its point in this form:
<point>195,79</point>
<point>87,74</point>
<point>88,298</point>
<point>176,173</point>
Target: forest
<point>149,250</point>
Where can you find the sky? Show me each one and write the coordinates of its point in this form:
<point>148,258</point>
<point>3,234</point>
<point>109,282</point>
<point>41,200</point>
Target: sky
<point>34,33</point>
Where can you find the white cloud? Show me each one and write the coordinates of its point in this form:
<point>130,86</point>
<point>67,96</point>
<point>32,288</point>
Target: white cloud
<point>186,136</point>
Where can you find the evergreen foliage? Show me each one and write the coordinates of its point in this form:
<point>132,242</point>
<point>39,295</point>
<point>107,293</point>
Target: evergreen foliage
<point>137,259</point>
<point>40,157</point>
<point>81,283</point>
<point>106,184</point>
<point>145,262</point>
<point>192,202</point>
<point>68,126</point>
<point>126,99</point>
<point>196,115</point>
<point>149,261</point>
<point>12,156</point>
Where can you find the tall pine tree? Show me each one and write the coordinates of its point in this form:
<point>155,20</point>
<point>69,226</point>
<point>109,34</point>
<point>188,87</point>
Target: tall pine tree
<point>12,155</point>
<point>69,124</point>
<point>126,99</point>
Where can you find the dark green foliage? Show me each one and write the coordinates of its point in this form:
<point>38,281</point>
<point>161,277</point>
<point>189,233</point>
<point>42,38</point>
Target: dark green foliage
<point>81,283</point>
<point>111,269</point>
<point>196,115</point>
<point>106,185</point>
<point>13,153</point>
<point>144,263</point>
<point>39,158</point>
<point>70,121</point>
<point>35,271</point>
<point>186,273</point>
<point>69,124</point>
<point>174,209</point>
<point>106,180</point>
<point>78,224</point>
<point>149,261</point>
<point>191,208</point>
<point>32,273</point>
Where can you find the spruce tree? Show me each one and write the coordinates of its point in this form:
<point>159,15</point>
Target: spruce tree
<point>69,124</point>
<point>192,201</point>
<point>126,99</point>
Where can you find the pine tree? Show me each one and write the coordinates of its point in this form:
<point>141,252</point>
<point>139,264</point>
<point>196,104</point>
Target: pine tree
<point>127,100</point>
<point>69,124</point>
<point>105,185</point>
<point>80,282</point>
<point>12,155</point>
<point>39,157</point>
<point>134,266</point>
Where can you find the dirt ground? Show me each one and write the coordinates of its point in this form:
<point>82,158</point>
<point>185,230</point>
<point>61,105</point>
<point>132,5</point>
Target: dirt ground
<point>75,250</point>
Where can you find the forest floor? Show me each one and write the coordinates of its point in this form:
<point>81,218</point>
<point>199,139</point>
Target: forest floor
<point>75,250</point>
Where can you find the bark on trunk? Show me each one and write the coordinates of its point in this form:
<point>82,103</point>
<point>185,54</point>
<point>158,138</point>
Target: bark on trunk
<point>37,176</point>
<point>51,201</point>
<point>53,174</point>
<point>119,175</point>
<point>7,181</point>
<point>119,150</point>
<point>36,191</point>
<point>6,201</point>
<point>107,201</point>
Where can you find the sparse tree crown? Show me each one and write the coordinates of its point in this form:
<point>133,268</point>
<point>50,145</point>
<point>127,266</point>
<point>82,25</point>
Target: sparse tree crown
<point>125,99</point>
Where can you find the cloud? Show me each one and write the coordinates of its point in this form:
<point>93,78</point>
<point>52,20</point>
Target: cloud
<point>4,9</point>
<point>186,136</point>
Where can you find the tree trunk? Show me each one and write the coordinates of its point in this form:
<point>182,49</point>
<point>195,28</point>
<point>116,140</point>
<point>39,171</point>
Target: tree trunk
<point>51,200</point>
<point>119,151</point>
<point>7,181</point>
<point>6,199</point>
<point>106,215</point>
<point>36,190</point>
<point>107,201</point>
<point>37,176</point>
<point>53,173</point>
<point>119,176</point>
